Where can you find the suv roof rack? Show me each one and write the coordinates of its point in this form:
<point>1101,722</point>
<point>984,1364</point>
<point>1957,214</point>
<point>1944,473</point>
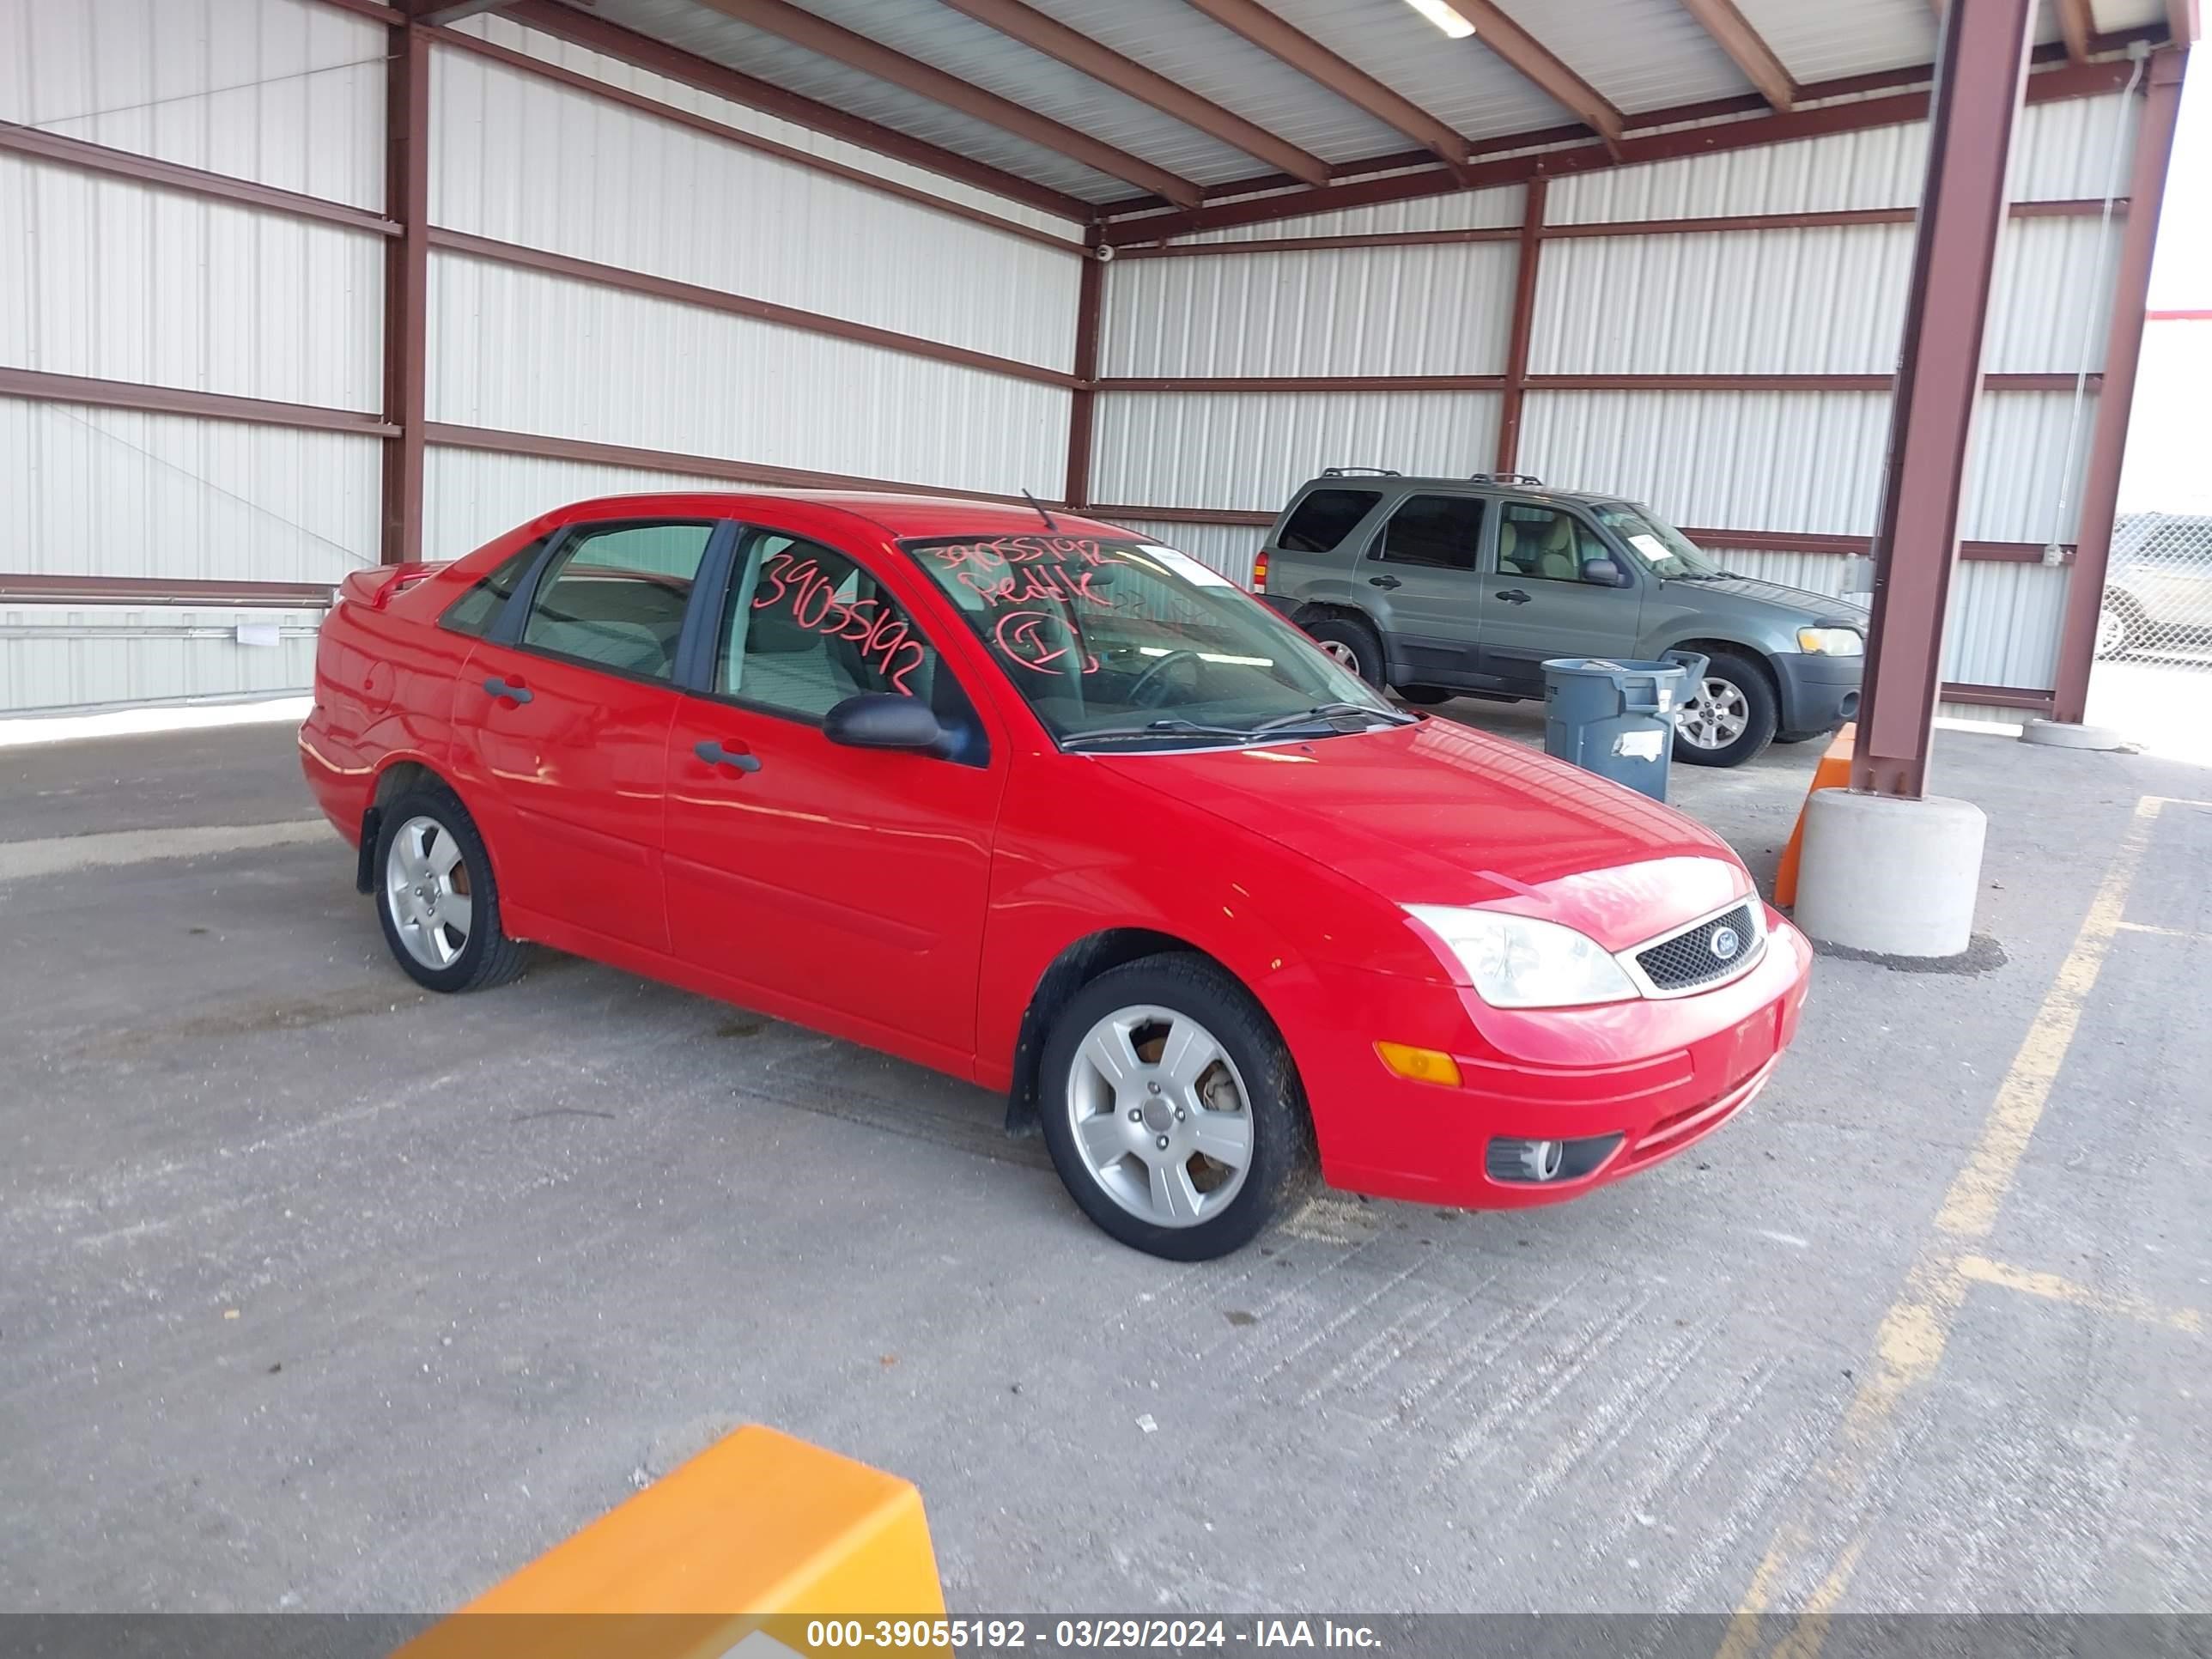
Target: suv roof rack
<point>1504,477</point>
<point>1346,471</point>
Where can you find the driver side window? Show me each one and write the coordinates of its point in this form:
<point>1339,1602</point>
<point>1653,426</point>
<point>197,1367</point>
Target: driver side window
<point>1544,544</point>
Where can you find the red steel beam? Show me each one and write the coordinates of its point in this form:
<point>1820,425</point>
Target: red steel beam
<point>1981,73</point>
<point>191,181</point>
<point>1297,244</point>
<point>831,40</point>
<point>1048,35</point>
<point>1523,325</point>
<point>1541,68</point>
<point>2108,439</point>
<point>739,304</point>
<point>1089,302</point>
<point>1509,382</point>
<point>38,386</point>
<point>1226,383</point>
<point>406,290</point>
<point>2184,22</point>
<point>1747,49</point>
<point>1269,32</point>
<point>599,35</point>
<point>2065,82</point>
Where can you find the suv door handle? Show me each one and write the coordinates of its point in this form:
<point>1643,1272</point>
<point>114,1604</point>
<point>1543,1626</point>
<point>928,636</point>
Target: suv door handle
<point>513,690</point>
<point>715,755</point>
<point>1384,581</point>
<point>1513,596</point>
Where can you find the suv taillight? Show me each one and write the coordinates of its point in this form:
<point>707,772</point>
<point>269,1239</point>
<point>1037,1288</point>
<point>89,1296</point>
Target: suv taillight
<point>1260,571</point>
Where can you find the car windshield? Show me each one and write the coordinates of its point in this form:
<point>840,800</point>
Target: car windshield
<point>1671,556</point>
<point>1128,644</point>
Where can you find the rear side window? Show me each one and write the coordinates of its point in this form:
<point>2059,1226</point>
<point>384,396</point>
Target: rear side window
<point>476,611</point>
<point>616,596</point>
<point>1442,530</point>
<point>1324,519</point>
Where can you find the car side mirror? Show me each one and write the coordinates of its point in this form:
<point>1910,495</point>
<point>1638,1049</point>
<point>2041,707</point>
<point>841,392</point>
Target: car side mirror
<point>883,719</point>
<point>1604,573</point>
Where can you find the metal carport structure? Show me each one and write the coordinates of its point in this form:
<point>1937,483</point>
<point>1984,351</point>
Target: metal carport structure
<point>294,269</point>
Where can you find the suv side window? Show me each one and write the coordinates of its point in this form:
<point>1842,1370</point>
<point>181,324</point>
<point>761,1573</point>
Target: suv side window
<point>615,596</point>
<point>1325,518</point>
<point>1545,543</point>
<point>1443,531</point>
<point>476,611</point>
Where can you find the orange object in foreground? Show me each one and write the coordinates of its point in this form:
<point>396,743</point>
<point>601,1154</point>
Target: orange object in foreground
<point>1833,772</point>
<point>758,1533</point>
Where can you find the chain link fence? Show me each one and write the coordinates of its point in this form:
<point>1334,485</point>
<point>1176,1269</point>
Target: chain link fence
<point>2158,592</point>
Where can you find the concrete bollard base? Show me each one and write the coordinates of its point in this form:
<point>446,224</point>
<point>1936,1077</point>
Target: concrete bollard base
<point>1888,876</point>
<point>2061,734</point>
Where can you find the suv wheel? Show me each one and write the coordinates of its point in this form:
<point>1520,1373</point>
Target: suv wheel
<point>1352,643</point>
<point>1731,717</point>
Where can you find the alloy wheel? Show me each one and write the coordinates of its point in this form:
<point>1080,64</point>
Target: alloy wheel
<point>426,883</point>
<point>1338,652</point>
<point>1716,717</point>
<point>1160,1116</point>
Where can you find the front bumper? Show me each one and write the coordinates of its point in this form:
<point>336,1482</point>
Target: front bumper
<point>1819,692</point>
<point>1649,1078</point>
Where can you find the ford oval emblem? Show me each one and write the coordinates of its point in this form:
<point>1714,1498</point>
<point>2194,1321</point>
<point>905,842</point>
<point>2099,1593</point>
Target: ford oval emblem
<point>1725,943</point>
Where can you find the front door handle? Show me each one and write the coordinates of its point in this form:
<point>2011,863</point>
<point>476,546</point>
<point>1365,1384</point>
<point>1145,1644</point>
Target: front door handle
<point>1514,596</point>
<point>1384,581</point>
<point>714,754</point>
<point>513,690</point>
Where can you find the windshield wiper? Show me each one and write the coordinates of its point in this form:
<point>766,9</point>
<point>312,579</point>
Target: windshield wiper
<point>1160,728</point>
<point>1322,714</point>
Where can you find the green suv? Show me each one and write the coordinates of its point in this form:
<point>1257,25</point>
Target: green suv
<point>1443,587</point>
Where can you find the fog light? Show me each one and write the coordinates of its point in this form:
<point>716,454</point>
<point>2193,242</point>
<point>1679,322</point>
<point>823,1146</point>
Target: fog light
<point>1524,1160</point>
<point>1422,1064</point>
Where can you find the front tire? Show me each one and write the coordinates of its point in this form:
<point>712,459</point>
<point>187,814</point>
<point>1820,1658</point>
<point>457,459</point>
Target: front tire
<point>1172,1109</point>
<point>437,899</point>
<point>1732,717</point>
<point>1353,644</point>
<point>1426,696</point>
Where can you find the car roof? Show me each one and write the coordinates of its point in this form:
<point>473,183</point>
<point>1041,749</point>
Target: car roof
<point>899,513</point>
<point>1437,480</point>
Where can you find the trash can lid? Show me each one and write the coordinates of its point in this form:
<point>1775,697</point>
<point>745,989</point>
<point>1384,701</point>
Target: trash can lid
<point>1607,667</point>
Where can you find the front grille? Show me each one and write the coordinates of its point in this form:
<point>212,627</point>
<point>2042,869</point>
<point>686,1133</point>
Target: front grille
<point>1689,959</point>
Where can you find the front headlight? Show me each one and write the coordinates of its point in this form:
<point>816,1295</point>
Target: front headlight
<point>1516,962</point>
<point>1830,641</point>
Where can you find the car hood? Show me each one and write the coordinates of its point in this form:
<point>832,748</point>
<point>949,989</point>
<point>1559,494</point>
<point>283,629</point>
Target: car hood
<point>1818,607</point>
<point>1434,814</point>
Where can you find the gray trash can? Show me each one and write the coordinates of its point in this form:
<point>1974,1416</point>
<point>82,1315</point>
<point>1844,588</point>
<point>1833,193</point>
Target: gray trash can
<point>1617,719</point>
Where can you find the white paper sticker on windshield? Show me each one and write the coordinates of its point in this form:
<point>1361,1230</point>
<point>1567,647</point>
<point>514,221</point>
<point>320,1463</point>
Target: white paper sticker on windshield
<point>1651,547</point>
<point>1188,568</point>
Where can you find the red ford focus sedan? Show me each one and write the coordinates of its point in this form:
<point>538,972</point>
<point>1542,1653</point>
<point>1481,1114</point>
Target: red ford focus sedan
<point>1034,801</point>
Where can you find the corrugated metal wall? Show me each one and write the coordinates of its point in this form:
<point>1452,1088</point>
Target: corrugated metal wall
<point>1806,301</point>
<point>117,280</point>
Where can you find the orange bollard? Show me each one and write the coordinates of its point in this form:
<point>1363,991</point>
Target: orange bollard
<point>1834,772</point>
<point>746,1547</point>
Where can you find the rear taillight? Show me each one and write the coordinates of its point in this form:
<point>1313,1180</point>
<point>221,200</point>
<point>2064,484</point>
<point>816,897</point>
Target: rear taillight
<point>1260,571</point>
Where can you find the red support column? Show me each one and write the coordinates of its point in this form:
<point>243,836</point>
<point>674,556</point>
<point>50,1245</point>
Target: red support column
<point>2108,441</point>
<point>1979,77</point>
<point>1089,297</point>
<point>1524,321</point>
<point>407,287</point>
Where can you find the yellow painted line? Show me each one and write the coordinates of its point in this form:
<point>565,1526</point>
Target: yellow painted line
<point>1983,1271</point>
<point>1909,1343</point>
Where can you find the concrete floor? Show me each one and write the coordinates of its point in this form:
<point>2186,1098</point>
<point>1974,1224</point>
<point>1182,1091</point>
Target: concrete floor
<point>322,1293</point>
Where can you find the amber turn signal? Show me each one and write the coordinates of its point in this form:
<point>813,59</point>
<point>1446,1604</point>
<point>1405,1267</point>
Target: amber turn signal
<point>1422,1064</point>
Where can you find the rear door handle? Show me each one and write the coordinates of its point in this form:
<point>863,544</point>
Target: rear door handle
<point>513,691</point>
<point>1384,581</point>
<point>1514,596</point>
<point>715,755</point>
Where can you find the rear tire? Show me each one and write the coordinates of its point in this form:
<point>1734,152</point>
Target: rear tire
<point>1426,696</point>
<point>1732,717</point>
<point>436,896</point>
<point>1804,737</point>
<point>1353,644</point>
<point>1195,1063</point>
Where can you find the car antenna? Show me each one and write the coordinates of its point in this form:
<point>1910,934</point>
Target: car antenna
<point>1040,513</point>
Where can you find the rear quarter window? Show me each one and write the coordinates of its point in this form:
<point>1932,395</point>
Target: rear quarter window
<point>1322,521</point>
